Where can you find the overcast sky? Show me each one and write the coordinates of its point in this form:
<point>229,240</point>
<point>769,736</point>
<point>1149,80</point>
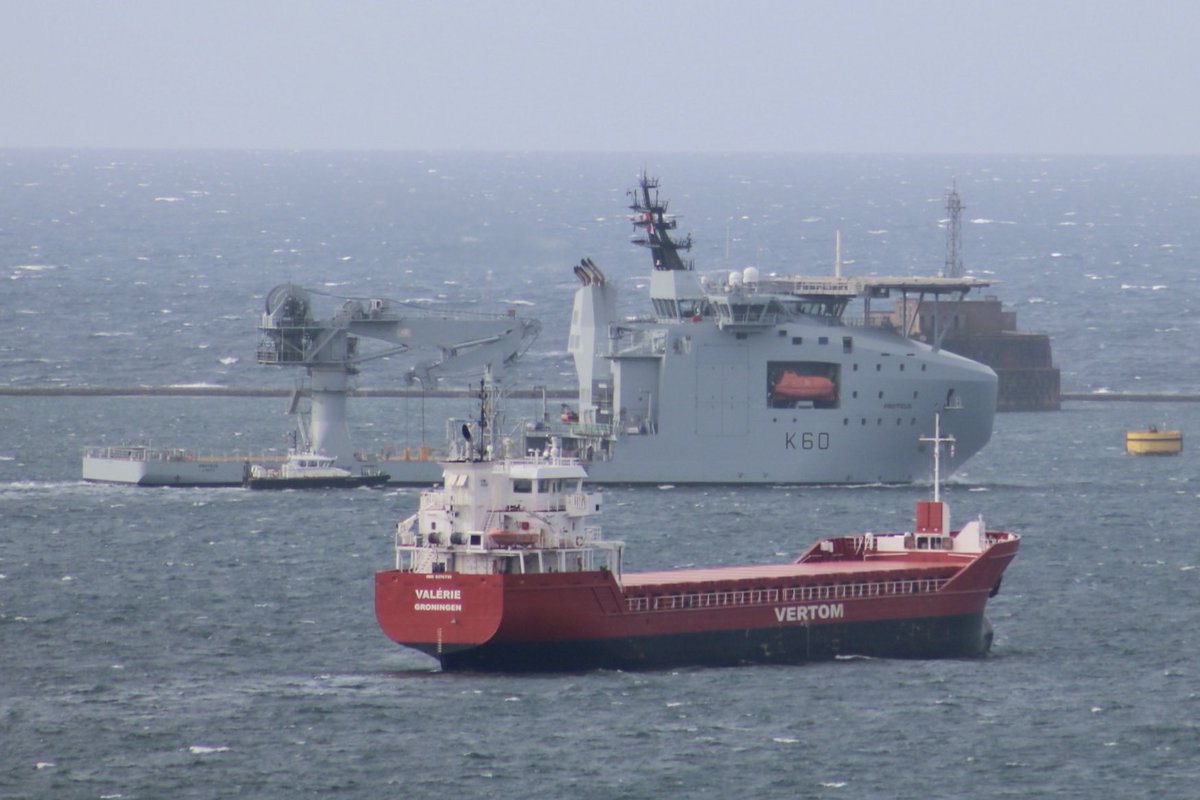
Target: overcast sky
<point>878,76</point>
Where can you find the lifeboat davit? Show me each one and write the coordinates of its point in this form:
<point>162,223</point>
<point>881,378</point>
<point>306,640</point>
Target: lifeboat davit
<point>816,388</point>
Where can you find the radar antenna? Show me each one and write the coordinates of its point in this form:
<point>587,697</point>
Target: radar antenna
<point>650,214</point>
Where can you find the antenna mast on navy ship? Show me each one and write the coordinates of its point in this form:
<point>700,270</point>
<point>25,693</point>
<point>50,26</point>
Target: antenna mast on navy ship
<point>651,215</point>
<point>954,207</point>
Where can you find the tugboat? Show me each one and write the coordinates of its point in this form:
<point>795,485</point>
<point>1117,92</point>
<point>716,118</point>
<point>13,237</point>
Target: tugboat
<point>305,469</point>
<point>503,568</point>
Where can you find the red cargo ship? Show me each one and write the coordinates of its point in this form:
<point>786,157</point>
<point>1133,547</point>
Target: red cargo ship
<point>503,568</point>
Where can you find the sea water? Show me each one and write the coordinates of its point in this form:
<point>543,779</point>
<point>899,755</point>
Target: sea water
<point>217,642</point>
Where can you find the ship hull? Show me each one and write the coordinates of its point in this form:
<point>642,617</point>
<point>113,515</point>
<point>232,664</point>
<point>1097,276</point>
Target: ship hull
<point>163,472</point>
<point>578,621</point>
<point>822,449</point>
<point>931,637</point>
<point>351,482</point>
<point>712,419</point>
<point>413,473</point>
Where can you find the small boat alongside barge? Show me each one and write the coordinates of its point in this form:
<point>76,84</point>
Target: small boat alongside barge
<point>308,470</point>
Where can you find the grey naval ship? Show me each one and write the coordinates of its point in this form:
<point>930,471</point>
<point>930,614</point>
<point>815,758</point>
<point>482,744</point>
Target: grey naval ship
<point>760,379</point>
<point>737,379</point>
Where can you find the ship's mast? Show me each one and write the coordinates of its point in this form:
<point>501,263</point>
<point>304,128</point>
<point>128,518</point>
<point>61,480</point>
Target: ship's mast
<point>489,395</point>
<point>837,254</point>
<point>938,440</point>
<point>954,208</point>
<point>650,215</point>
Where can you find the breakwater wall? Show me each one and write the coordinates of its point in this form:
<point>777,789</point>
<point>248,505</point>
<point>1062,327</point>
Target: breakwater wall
<point>252,391</point>
<point>1134,397</point>
<point>551,394</point>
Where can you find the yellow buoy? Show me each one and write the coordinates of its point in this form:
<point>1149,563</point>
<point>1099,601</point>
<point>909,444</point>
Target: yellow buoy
<point>1153,442</point>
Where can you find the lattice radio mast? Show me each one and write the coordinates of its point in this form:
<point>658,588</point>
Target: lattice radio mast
<point>954,208</point>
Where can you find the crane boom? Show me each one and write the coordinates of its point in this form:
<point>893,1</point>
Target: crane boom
<point>328,349</point>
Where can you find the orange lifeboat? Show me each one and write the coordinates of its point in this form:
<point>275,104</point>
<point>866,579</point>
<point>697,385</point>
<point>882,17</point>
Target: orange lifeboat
<point>791,386</point>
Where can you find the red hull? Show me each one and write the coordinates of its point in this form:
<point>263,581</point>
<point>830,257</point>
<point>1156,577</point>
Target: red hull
<point>917,605</point>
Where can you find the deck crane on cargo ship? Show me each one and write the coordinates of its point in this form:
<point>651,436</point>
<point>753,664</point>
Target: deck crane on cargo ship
<point>329,351</point>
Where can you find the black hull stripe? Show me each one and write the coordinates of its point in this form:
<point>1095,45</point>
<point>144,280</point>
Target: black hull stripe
<point>935,637</point>
<point>314,483</point>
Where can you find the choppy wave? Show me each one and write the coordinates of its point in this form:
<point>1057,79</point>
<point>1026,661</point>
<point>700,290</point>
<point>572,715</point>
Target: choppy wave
<point>220,638</point>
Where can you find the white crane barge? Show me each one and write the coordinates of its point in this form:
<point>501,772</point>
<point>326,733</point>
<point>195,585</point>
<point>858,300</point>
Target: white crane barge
<point>328,350</point>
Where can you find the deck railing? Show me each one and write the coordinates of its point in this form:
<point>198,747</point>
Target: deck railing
<point>754,597</point>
